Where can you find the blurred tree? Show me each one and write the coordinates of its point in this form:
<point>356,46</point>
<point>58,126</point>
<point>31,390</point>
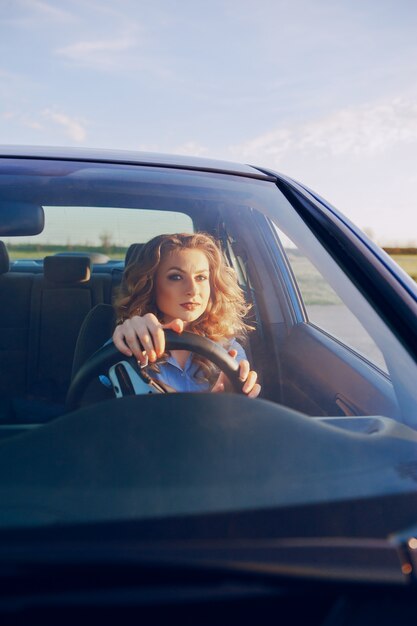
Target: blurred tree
<point>106,241</point>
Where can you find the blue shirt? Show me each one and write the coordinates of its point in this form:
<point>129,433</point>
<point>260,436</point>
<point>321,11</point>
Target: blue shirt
<point>180,379</point>
<point>171,372</point>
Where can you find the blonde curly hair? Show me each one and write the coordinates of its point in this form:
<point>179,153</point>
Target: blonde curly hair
<point>224,316</point>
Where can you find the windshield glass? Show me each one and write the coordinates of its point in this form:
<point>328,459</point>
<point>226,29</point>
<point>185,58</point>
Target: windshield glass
<point>338,398</point>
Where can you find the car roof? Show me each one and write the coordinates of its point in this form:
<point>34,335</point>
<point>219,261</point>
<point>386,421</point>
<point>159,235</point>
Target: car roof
<point>131,157</point>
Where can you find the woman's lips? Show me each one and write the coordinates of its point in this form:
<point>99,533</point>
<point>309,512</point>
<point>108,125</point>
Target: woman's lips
<point>190,306</point>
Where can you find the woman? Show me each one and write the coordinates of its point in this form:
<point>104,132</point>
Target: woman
<point>182,282</point>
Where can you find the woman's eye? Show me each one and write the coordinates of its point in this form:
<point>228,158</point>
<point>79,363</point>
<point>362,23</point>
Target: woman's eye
<point>201,277</point>
<point>174,277</point>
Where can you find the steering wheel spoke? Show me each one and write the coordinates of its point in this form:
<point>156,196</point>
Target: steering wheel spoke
<point>106,358</point>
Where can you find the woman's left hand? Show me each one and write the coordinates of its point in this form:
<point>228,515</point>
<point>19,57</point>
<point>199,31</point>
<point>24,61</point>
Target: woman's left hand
<point>250,387</point>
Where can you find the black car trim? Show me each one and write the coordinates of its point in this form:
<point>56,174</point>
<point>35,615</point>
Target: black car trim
<point>365,275</point>
<point>144,163</point>
<point>282,268</point>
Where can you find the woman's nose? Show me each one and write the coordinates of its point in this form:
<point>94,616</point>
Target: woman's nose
<point>191,287</point>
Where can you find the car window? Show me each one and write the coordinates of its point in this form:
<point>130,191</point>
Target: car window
<point>105,230</point>
<point>329,425</point>
<point>324,307</point>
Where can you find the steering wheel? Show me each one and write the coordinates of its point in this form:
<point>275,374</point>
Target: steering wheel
<point>108,355</point>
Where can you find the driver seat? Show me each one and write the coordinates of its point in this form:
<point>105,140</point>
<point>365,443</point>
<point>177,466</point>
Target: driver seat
<point>99,323</point>
<point>96,329</point>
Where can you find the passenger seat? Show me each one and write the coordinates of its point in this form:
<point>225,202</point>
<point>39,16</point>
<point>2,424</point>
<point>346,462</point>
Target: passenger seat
<point>61,298</point>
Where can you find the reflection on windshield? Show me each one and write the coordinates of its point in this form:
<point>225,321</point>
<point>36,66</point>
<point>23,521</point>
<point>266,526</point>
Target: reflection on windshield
<point>335,423</point>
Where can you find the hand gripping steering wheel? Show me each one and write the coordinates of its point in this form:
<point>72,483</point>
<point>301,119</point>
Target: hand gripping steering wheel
<point>101,361</point>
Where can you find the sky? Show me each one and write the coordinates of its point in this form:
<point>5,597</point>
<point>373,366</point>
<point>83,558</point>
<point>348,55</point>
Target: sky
<point>324,91</point>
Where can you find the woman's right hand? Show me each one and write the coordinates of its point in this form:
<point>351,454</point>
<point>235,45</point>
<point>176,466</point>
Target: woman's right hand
<point>144,337</point>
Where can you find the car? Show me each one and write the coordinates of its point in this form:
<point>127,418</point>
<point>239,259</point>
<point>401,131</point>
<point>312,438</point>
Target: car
<point>122,504</point>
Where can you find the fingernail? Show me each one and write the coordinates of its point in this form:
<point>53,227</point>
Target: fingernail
<point>152,356</point>
<point>143,362</point>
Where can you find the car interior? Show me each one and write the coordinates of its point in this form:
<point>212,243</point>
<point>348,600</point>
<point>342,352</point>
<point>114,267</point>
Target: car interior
<point>49,331</point>
<point>62,314</point>
<point>47,301</point>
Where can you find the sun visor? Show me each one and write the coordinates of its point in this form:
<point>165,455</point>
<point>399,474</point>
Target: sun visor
<point>20,218</point>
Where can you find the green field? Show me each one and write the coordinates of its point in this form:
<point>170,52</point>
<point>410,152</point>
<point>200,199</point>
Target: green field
<point>408,262</point>
<point>35,251</point>
<point>315,290</point>
<point>309,278</point>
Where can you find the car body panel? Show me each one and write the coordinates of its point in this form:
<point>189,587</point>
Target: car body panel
<point>129,157</point>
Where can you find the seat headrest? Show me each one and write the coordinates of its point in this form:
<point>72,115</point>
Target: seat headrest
<point>132,253</point>
<point>67,269</point>
<point>4,259</point>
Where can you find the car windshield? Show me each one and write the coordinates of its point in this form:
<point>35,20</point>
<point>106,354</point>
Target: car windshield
<point>336,419</point>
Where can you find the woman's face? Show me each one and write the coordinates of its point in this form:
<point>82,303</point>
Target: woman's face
<point>182,285</point>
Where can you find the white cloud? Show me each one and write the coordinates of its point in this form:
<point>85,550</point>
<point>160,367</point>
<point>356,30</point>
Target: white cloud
<point>47,11</point>
<point>100,54</point>
<point>8,115</point>
<point>191,148</point>
<point>356,131</point>
<point>78,51</point>
<point>72,127</point>
<point>13,85</point>
<point>33,124</point>
<point>361,159</point>
<point>188,148</point>
<point>21,119</point>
